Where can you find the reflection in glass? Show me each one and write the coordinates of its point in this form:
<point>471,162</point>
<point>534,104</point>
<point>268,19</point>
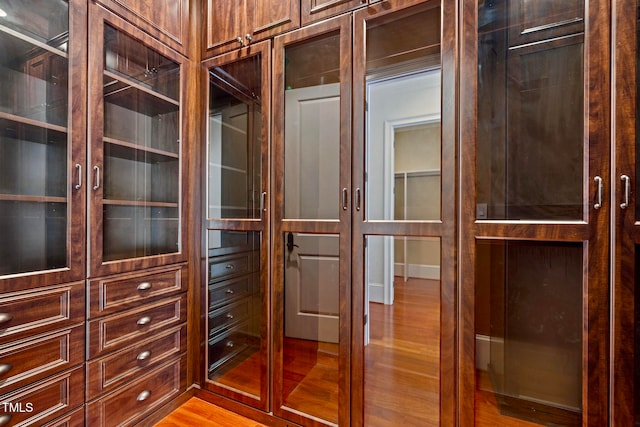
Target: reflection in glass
<point>311,324</point>
<point>234,321</point>
<point>402,335</point>
<point>312,129</point>
<point>44,21</point>
<point>235,137</point>
<point>530,118</point>
<point>403,148</point>
<point>529,329</point>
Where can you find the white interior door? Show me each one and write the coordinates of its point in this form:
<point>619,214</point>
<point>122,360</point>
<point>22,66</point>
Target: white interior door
<point>312,137</point>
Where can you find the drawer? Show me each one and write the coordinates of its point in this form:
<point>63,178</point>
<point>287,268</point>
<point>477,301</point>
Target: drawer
<point>129,404</point>
<point>111,371</point>
<point>229,315</point>
<point>30,360</point>
<point>112,294</point>
<point>119,330</point>
<point>238,264</point>
<point>23,314</point>
<point>226,345</point>
<point>44,401</point>
<point>233,290</point>
<point>74,419</point>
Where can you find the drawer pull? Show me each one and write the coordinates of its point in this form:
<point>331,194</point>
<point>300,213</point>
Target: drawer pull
<point>229,266</point>
<point>144,286</point>
<point>230,344</point>
<point>143,396</point>
<point>5,367</point>
<point>230,291</point>
<point>4,419</point>
<point>144,320</point>
<point>5,317</point>
<point>144,355</point>
<point>229,316</point>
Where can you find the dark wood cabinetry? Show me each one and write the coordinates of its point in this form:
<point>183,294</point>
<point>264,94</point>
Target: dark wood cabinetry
<point>239,23</point>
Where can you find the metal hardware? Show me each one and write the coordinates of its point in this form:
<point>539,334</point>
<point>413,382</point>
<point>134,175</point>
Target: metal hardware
<point>345,199</point>
<point>239,40</point>
<point>627,191</point>
<point>97,171</point>
<point>598,203</point>
<point>290,244</point>
<point>229,316</point>
<point>230,344</point>
<point>144,286</point>
<point>4,419</point>
<point>229,291</point>
<point>79,169</point>
<point>144,320</point>
<point>248,37</point>
<point>5,317</point>
<point>263,201</point>
<point>5,367</point>
<point>229,266</point>
<point>144,355</point>
<point>358,198</point>
<point>143,396</point>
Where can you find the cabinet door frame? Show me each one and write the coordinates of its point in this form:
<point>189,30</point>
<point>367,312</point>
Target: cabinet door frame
<point>76,155</point>
<point>261,225</point>
<point>327,8</point>
<point>98,18</point>
<point>592,231</point>
<point>627,231</point>
<point>281,224</point>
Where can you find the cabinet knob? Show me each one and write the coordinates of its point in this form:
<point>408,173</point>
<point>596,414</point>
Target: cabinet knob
<point>230,344</point>
<point>239,40</point>
<point>144,355</point>
<point>143,396</point>
<point>4,419</point>
<point>229,267</point>
<point>144,286</point>
<point>5,317</point>
<point>248,37</point>
<point>5,368</point>
<point>229,316</point>
<point>230,291</point>
<point>144,320</point>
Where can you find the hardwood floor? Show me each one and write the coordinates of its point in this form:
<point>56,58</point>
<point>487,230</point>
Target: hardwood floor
<point>197,412</point>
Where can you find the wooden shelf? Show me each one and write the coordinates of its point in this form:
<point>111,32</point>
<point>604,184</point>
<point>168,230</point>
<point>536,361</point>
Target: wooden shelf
<point>32,199</point>
<point>34,42</point>
<point>131,146</point>
<point>32,122</point>
<point>141,204</point>
<point>116,84</point>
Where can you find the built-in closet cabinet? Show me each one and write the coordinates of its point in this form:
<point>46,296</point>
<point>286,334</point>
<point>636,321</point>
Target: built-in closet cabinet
<point>42,210</point>
<point>238,23</point>
<point>536,204</point>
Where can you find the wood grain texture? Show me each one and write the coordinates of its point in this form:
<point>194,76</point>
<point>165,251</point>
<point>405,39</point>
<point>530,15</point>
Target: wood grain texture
<point>315,10</point>
<point>196,412</point>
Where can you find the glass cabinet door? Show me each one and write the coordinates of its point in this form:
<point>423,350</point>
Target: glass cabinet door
<point>41,142</point>
<point>136,154</point>
<point>535,179</point>
<point>237,223</point>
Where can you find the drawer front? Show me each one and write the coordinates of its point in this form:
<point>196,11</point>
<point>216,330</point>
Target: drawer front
<point>128,404</point>
<point>119,330</point>
<point>232,290</point>
<point>30,360</point>
<point>224,346</point>
<point>74,419</point>
<point>229,315</point>
<point>113,294</point>
<point>227,266</point>
<point>109,372</point>
<point>45,400</point>
<point>24,314</point>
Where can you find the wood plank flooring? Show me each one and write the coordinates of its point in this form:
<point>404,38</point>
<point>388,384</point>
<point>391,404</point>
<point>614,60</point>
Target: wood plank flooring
<point>197,412</point>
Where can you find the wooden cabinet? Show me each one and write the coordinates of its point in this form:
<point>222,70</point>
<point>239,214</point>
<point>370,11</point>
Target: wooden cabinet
<point>239,23</point>
<point>314,10</point>
<point>166,21</point>
<point>137,149</point>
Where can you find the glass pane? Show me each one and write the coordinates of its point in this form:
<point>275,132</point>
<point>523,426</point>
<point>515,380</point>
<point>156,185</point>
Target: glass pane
<point>529,332</point>
<point>402,335</point>
<point>141,170</point>
<point>311,324</point>
<point>34,138</point>
<point>312,129</point>
<point>130,60</point>
<point>235,140</point>
<point>46,21</point>
<point>403,148</point>
<point>530,104</point>
<point>235,342</point>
